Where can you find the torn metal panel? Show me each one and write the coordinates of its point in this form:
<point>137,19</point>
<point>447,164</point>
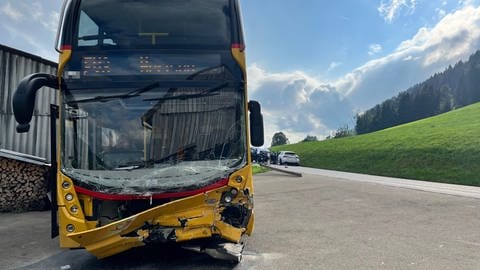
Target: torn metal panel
<point>190,218</point>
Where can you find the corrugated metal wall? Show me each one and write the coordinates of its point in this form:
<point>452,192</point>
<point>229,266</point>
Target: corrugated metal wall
<point>206,123</point>
<point>14,65</point>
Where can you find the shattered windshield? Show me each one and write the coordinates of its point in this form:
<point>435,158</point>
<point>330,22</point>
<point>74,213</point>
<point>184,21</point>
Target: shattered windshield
<point>153,139</point>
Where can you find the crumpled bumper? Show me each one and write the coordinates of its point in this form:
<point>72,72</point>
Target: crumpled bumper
<point>178,221</point>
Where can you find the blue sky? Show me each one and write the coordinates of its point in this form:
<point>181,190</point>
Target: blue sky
<point>329,38</point>
<point>313,64</point>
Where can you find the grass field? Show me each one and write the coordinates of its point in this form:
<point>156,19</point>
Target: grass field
<point>444,148</point>
<point>259,169</point>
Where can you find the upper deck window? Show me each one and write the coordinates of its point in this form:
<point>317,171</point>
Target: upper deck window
<point>154,24</point>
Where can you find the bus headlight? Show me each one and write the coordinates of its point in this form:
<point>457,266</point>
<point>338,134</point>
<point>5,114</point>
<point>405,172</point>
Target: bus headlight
<point>229,195</point>
<point>227,198</point>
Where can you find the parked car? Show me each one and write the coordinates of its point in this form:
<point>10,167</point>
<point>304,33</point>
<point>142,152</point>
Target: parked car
<point>288,157</point>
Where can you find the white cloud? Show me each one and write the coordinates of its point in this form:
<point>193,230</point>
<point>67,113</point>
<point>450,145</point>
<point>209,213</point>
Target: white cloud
<point>297,104</point>
<point>454,38</point>
<point>441,12</point>
<point>38,48</point>
<point>11,12</point>
<point>49,20</point>
<point>389,10</point>
<point>30,25</point>
<point>374,49</point>
<point>33,10</point>
<point>466,2</point>
<point>333,66</point>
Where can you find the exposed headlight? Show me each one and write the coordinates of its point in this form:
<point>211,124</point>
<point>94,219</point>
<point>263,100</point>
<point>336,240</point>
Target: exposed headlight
<point>229,195</point>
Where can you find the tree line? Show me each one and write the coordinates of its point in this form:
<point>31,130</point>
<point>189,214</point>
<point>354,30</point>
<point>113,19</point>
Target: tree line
<point>453,88</point>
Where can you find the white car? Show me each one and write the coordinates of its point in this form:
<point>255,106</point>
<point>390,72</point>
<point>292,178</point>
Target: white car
<point>288,157</point>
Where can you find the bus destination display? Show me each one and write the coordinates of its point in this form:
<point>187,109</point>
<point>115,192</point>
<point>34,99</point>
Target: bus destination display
<point>118,65</point>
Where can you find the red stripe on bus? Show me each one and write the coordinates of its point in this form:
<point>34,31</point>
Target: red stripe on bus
<point>66,47</point>
<point>238,46</point>
<point>129,197</point>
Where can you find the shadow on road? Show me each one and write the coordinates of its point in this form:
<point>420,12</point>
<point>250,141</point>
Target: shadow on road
<point>149,257</point>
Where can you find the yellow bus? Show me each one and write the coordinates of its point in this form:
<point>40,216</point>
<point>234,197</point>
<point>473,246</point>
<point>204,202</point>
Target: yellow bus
<point>153,126</point>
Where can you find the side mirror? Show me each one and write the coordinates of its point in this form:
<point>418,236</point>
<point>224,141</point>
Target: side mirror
<point>256,123</point>
<point>24,97</point>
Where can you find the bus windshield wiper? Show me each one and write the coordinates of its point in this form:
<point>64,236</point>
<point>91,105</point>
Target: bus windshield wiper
<point>193,75</point>
<point>134,93</point>
<point>130,166</point>
<point>209,92</point>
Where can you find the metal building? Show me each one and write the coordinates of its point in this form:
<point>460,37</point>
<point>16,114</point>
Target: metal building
<point>14,65</point>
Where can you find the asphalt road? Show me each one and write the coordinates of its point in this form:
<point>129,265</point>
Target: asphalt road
<point>313,222</point>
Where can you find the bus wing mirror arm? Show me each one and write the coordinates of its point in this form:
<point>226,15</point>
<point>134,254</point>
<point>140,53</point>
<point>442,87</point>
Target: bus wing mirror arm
<point>256,123</point>
<point>24,97</point>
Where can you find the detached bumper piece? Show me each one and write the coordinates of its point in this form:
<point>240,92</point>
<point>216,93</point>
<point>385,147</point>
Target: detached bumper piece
<point>221,251</point>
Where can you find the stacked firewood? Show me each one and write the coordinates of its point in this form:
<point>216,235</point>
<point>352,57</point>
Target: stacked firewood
<point>22,186</point>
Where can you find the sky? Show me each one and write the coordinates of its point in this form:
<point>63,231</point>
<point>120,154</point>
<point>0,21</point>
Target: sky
<point>313,65</point>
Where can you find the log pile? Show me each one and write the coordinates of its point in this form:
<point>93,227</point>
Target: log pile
<point>22,186</point>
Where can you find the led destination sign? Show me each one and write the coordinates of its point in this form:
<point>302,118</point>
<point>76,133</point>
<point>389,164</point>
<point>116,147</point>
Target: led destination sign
<point>117,65</point>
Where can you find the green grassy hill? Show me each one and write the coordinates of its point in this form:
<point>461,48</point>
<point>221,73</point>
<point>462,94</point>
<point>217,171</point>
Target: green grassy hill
<point>444,148</point>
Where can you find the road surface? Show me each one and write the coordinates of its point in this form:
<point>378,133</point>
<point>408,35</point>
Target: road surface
<point>312,222</point>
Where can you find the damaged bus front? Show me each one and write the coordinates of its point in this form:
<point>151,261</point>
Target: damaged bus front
<point>153,126</point>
